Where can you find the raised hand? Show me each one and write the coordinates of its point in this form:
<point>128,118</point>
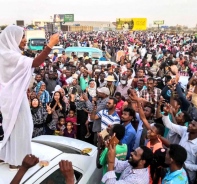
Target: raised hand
<point>167,108</point>
<point>54,39</point>
<point>111,153</point>
<point>67,170</point>
<point>161,101</point>
<point>29,161</point>
<point>133,96</point>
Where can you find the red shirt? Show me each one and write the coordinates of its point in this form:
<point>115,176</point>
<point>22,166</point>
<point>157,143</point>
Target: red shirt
<point>119,108</point>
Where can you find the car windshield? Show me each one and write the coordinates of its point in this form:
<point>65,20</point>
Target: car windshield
<point>38,42</point>
<point>57,50</point>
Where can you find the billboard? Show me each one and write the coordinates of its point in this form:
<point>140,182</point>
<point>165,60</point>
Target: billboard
<point>69,18</point>
<point>131,24</point>
<point>58,18</point>
<point>158,22</point>
<point>20,23</point>
<point>63,18</point>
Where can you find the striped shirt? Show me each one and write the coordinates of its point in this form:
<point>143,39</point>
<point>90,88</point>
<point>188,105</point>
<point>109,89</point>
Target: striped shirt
<point>107,119</point>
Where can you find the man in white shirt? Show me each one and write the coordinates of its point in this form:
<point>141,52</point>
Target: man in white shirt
<point>188,141</point>
<point>88,65</point>
<point>130,48</point>
<point>133,170</point>
<point>143,51</point>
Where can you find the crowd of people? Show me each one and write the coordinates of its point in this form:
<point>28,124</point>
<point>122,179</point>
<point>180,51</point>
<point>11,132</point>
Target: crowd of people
<point>140,103</point>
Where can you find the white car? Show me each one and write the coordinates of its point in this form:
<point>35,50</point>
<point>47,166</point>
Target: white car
<point>54,149</point>
<point>57,49</point>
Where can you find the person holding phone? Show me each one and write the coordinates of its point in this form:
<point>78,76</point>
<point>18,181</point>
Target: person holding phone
<point>108,116</point>
<point>74,88</point>
<point>116,132</point>
<point>133,170</point>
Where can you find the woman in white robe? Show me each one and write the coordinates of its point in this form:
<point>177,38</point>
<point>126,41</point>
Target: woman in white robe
<point>15,75</point>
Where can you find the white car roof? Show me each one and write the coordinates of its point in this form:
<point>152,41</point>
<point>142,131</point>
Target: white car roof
<point>44,152</point>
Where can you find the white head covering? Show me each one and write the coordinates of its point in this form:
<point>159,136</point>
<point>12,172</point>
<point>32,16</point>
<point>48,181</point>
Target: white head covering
<point>92,91</point>
<point>15,75</point>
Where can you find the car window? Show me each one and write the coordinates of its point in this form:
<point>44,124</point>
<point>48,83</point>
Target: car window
<point>38,42</point>
<point>68,53</point>
<point>57,178</point>
<point>96,55</point>
<point>80,54</point>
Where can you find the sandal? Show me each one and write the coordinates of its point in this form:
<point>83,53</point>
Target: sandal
<point>2,162</point>
<point>88,135</point>
<point>13,168</point>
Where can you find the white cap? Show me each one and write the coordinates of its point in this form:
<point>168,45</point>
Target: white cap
<point>104,90</point>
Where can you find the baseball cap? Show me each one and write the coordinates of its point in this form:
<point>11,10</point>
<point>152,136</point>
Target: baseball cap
<point>104,90</point>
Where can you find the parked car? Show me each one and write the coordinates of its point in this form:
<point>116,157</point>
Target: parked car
<point>93,53</point>
<point>57,49</point>
<point>54,149</point>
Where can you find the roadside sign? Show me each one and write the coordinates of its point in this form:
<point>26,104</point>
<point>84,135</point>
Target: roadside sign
<point>158,22</point>
<point>69,18</point>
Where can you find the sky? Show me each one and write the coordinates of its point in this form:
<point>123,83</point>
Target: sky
<point>173,12</point>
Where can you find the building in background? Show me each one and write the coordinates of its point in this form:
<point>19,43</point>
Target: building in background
<point>97,25</point>
<point>20,23</point>
<point>41,23</point>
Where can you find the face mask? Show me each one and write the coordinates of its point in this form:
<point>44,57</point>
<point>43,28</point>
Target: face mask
<point>123,82</point>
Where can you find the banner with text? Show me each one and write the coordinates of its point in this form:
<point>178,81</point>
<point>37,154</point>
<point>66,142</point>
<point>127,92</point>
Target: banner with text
<point>135,24</point>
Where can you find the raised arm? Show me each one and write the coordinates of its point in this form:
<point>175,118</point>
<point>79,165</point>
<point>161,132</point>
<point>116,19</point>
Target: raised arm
<point>166,121</point>
<point>28,162</point>
<point>182,98</point>
<point>158,111</point>
<point>134,97</point>
<point>40,59</point>
<point>93,115</point>
<point>114,166</point>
